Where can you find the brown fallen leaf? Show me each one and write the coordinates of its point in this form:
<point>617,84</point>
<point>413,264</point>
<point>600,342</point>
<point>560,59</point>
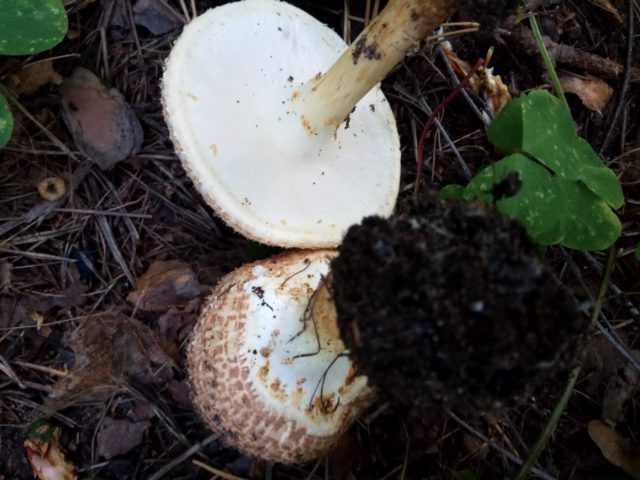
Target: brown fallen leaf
<point>608,6</point>
<point>156,16</point>
<point>165,284</point>
<point>46,456</point>
<point>618,450</point>
<point>482,82</point>
<point>176,324</point>
<point>30,79</point>
<point>102,123</point>
<point>594,92</point>
<point>117,437</point>
<point>180,392</point>
<point>110,351</point>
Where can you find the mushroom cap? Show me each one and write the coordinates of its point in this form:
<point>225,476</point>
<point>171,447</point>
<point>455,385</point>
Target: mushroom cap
<point>258,377</point>
<point>227,90</point>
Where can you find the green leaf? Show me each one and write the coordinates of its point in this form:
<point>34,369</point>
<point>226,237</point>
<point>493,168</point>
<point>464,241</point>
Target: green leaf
<point>531,120</point>
<point>572,158</point>
<point>505,132</point>
<point>31,26</point>
<point>6,121</point>
<point>587,222</point>
<point>539,125</point>
<point>637,253</point>
<point>535,203</point>
<point>552,209</point>
<point>452,191</point>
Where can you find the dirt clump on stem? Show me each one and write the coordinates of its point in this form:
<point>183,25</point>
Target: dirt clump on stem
<point>451,304</point>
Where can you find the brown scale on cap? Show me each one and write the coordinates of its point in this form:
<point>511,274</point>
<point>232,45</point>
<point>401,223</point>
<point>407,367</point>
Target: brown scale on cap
<point>234,382</point>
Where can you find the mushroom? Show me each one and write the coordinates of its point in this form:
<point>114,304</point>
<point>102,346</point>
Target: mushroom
<point>286,154</point>
<point>447,305</point>
<point>268,370</point>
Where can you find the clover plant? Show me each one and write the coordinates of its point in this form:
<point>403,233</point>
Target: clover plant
<point>28,27</point>
<point>561,191</point>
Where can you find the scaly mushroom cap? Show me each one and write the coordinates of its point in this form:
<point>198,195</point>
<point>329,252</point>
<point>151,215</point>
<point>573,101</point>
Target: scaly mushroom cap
<point>267,366</point>
<point>227,94</point>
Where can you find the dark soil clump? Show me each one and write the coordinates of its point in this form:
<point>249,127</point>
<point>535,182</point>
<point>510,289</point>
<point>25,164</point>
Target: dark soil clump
<point>451,305</point>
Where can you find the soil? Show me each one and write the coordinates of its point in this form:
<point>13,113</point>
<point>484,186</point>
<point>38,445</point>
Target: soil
<point>69,266</point>
<point>450,305</point>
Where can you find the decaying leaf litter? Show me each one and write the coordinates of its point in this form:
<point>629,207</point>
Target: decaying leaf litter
<point>100,288</point>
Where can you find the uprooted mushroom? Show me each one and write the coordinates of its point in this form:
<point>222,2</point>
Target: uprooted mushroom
<point>281,126</point>
<point>448,305</point>
<point>291,156</point>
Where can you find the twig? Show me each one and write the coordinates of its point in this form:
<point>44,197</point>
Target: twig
<point>215,471</point>
<point>571,56</point>
<point>484,114</point>
<point>626,77</point>
<point>510,456</point>
<point>113,246</point>
<point>435,112</point>
<point>195,448</point>
<point>421,103</point>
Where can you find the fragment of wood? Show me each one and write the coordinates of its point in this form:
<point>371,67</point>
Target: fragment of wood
<point>573,57</point>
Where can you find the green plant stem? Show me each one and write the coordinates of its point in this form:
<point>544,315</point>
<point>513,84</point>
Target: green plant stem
<point>606,276</point>
<point>548,63</point>
<point>550,426</point>
<point>558,410</point>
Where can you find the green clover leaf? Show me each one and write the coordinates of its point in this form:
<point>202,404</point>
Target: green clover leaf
<point>539,125</point>
<point>584,221</point>
<point>31,26</point>
<point>565,194</point>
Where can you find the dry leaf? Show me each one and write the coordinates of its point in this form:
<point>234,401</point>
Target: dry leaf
<point>606,5</point>
<point>102,123</point>
<point>163,285</point>
<point>618,450</point>
<point>483,82</point>
<point>117,437</point>
<point>594,92</point>
<point>109,351</point>
<point>46,456</point>
<point>31,78</point>
<point>156,16</point>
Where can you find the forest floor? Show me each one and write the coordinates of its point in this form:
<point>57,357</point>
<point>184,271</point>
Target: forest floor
<point>85,351</point>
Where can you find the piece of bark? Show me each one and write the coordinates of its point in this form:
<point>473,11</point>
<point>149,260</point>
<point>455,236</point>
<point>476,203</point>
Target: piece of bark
<point>573,57</point>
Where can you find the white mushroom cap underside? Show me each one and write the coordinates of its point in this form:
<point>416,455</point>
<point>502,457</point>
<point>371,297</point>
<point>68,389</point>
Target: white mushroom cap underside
<point>226,93</point>
<point>257,375</point>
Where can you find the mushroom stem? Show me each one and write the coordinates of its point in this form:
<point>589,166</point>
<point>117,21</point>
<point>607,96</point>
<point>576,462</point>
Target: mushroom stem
<point>326,100</point>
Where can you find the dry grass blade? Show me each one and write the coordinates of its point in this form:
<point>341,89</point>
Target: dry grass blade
<point>215,471</point>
